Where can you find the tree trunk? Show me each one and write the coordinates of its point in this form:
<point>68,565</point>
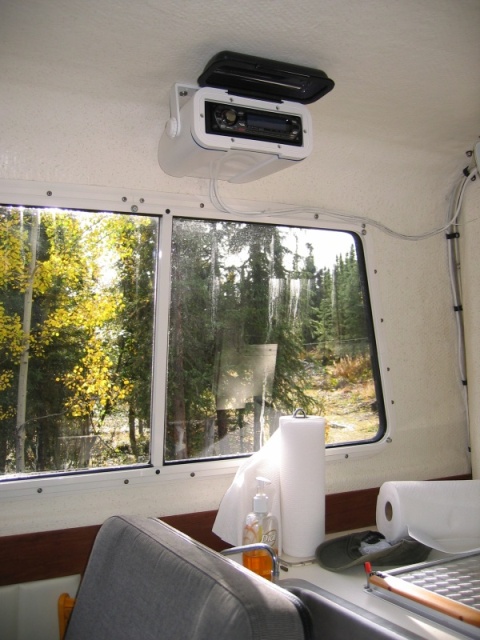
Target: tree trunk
<point>209,442</point>
<point>179,408</point>
<point>131,429</point>
<point>222,423</point>
<point>23,370</point>
<point>257,422</point>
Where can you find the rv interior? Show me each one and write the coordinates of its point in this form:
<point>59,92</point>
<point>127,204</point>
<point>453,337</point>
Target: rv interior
<point>96,103</point>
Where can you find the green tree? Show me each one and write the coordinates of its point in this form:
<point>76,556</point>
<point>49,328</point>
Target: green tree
<point>79,370</point>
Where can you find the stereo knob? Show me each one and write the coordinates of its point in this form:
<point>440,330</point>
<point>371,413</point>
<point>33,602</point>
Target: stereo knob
<point>229,116</point>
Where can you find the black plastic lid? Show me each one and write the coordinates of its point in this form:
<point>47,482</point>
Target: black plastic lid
<point>265,79</point>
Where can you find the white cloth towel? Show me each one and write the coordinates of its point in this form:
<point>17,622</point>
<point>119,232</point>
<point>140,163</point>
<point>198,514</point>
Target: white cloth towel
<point>237,501</point>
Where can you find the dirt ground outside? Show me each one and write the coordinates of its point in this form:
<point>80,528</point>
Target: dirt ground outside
<point>349,407</point>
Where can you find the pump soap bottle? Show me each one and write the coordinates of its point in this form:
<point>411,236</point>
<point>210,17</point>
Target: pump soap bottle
<point>260,526</point>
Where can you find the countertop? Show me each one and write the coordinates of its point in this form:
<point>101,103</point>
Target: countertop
<point>349,586</point>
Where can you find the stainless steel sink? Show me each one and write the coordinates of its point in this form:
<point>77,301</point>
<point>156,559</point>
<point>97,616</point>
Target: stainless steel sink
<point>334,618</point>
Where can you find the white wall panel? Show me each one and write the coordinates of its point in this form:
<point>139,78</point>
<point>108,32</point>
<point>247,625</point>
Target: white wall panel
<point>85,89</point>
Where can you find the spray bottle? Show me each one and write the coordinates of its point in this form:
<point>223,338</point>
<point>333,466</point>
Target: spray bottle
<point>260,526</point>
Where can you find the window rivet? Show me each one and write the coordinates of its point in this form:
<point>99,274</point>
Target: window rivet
<point>124,199</point>
<point>201,205</point>
<point>157,471</point>
<point>134,208</point>
<point>39,490</point>
<point>167,210</point>
<point>192,475</point>
<point>142,200</point>
<point>346,456</point>
<point>49,193</point>
<point>316,216</point>
<point>126,481</point>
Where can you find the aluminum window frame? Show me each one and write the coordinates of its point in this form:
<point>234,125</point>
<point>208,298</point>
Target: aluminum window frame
<point>167,207</point>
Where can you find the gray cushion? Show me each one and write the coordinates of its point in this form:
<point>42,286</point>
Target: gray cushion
<point>145,580</point>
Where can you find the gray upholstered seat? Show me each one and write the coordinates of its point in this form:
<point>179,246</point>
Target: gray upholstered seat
<point>145,580</point>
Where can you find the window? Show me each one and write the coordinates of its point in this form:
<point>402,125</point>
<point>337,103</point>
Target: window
<point>76,322</point>
<point>254,320</point>
<point>265,319</point>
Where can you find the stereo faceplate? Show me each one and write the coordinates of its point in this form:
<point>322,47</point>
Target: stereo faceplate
<point>256,124</point>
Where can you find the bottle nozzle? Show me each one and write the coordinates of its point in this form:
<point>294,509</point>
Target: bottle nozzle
<point>261,484</point>
<point>260,501</point>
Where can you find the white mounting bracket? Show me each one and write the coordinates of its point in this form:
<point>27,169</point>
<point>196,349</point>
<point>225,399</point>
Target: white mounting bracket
<point>180,94</point>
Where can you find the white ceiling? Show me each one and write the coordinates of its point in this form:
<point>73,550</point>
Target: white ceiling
<point>405,70</point>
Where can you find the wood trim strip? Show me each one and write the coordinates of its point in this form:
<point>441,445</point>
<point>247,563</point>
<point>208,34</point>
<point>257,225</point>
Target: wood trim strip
<point>44,555</point>
<point>54,554</point>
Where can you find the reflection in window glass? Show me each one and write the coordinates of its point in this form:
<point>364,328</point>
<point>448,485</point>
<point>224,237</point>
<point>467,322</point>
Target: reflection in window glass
<point>76,323</point>
<point>265,319</point>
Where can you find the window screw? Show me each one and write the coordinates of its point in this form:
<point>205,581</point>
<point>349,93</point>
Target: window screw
<point>364,232</point>
<point>39,490</point>
<point>157,471</point>
<point>192,475</point>
<point>389,440</point>
<point>49,193</point>
<point>134,208</point>
<point>469,153</point>
<point>346,456</point>
<point>124,199</point>
<point>201,205</point>
<point>316,216</point>
<point>142,200</point>
<point>167,210</point>
<point>126,481</point>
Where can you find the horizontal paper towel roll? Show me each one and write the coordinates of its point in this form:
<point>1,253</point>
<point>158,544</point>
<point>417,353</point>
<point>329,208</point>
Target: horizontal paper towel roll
<point>302,482</point>
<point>445,515</point>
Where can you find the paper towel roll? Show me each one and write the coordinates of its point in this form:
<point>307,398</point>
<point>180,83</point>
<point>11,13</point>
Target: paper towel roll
<point>302,482</point>
<point>444,515</point>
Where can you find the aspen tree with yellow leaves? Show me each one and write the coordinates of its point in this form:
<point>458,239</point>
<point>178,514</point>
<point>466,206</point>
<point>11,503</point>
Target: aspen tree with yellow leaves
<point>65,312</point>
